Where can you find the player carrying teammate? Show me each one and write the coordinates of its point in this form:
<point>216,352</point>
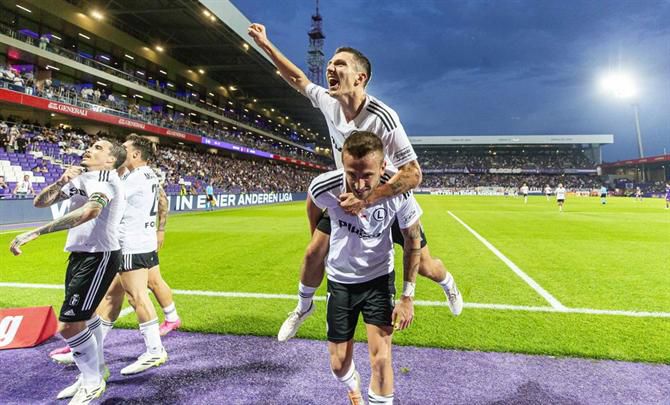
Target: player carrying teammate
<point>97,203</point>
<point>360,265</point>
<point>347,108</point>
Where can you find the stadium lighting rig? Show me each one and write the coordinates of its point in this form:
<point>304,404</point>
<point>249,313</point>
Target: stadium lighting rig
<point>622,85</point>
<point>97,15</point>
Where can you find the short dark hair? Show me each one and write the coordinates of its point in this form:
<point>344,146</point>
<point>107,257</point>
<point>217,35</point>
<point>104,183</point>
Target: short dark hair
<point>362,61</point>
<point>117,150</point>
<point>144,145</point>
<point>361,143</point>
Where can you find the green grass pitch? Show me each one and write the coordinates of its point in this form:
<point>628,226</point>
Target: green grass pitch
<point>611,257</point>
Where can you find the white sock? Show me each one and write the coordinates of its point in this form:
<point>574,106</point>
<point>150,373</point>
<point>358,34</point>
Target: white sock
<point>349,378</point>
<point>379,399</point>
<point>85,353</point>
<point>94,325</point>
<point>171,313</point>
<point>305,296</point>
<point>151,335</point>
<point>105,326</point>
<point>448,282</point>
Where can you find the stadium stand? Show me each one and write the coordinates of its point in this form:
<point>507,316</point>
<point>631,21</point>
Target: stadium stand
<point>45,152</point>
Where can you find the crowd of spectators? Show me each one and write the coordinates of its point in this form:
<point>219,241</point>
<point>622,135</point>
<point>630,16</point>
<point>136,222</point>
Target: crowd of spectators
<point>531,158</point>
<point>98,98</point>
<point>537,182</point>
<point>186,168</point>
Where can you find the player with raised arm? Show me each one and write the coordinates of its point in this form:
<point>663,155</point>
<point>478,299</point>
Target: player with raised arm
<point>97,203</point>
<point>348,108</point>
<point>360,265</point>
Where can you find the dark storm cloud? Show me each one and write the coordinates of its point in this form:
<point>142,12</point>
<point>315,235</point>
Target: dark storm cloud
<point>487,67</point>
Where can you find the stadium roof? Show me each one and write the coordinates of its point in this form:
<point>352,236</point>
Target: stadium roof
<point>215,44</point>
<point>507,140</point>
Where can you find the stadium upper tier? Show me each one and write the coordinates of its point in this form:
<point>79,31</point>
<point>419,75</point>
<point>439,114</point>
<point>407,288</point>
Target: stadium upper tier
<point>57,42</point>
<point>42,154</point>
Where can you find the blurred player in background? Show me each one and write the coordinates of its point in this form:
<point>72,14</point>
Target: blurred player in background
<point>560,196</point>
<point>524,193</point>
<point>603,194</point>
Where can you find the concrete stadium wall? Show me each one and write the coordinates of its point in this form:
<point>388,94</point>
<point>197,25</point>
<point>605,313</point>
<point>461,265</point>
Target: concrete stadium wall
<point>18,211</point>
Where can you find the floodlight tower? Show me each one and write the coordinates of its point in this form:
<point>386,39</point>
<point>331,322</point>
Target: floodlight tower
<point>622,86</point>
<point>315,56</point>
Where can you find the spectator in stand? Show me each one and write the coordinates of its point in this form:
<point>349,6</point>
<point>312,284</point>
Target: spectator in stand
<point>24,188</point>
<point>4,187</point>
<point>22,142</point>
<point>44,41</point>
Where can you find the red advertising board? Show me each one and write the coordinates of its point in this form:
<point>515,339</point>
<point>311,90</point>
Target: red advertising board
<point>26,327</point>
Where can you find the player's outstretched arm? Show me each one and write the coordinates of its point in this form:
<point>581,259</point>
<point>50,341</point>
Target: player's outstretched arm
<point>163,208</point>
<point>85,213</point>
<point>287,70</point>
<point>53,194</point>
<point>403,313</point>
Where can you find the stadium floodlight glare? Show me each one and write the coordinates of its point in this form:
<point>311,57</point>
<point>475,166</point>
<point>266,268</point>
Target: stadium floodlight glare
<point>619,84</point>
<point>189,84</point>
<point>206,13</point>
<point>56,36</point>
<point>255,101</point>
<point>52,67</point>
<point>245,46</point>
<point>84,36</point>
<point>170,85</point>
<point>201,71</point>
<point>213,18</point>
<point>162,71</point>
<point>97,15</point>
<point>159,48</point>
<point>232,88</point>
<point>211,94</point>
<point>23,8</point>
<point>102,84</point>
<point>128,56</point>
<point>169,106</point>
<point>622,85</point>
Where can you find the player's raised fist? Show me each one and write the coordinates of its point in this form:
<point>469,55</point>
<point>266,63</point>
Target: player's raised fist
<point>257,32</point>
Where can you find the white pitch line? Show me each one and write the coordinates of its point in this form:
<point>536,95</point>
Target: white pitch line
<point>419,303</point>
<point>525,277</point>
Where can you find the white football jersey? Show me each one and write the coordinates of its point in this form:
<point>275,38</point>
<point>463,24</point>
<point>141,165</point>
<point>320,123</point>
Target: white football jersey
<point>102,233</point>
<point>138,226</point>
<point>560,193</point>
<point>375,117</point>
<point>361,247</point>
<point>524,189</point>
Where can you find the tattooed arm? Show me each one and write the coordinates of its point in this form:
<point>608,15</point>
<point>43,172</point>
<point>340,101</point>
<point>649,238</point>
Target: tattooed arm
<point>403,313</point>
<point>408,177</point>
<point>87,212</point>
<point>50,195</point>
<point>163,208</point>
<point>53,194</point>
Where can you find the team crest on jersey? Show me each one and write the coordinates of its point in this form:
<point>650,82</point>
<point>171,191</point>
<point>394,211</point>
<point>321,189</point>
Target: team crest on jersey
<point>74,300</point>
<point>379,214</point>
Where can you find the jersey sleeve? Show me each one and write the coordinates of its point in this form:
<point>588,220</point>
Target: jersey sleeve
<point>325,189</point>
<point>398,147</point>
<point>409,211</point>
<point>101,186</point>
<point>318,96</point>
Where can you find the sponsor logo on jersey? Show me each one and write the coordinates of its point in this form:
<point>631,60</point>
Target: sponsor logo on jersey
<point>357,231</point>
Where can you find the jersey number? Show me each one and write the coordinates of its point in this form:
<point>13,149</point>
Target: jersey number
<point>154,207</point>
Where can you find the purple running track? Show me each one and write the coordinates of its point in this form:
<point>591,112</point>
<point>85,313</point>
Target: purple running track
<point>226,369</point>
